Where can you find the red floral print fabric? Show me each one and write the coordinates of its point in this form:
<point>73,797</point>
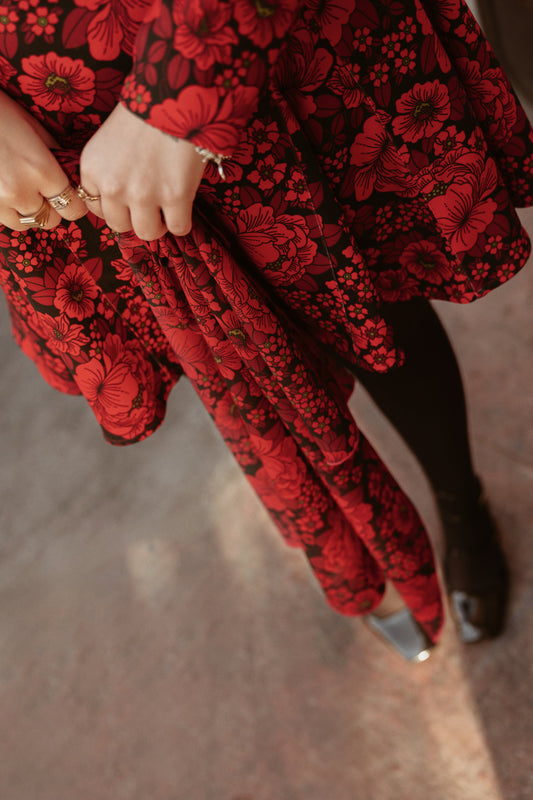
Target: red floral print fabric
<point>375,154</point>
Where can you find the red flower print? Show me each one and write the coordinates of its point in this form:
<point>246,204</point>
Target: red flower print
<point>379,163</point>
<point>6,71</point>
<point>65,337</point>
<point>202,32</point>
<point>267,173</point>
<point>113,28</point>
<point>330,16</point>
<point>405,61</point>
<point>301,70</point>
<point>424,260</point>
<point>282,470</point>
<point>396,285</point>
<point>264,20</point>
<point>281,245</point>
<point>137,95</point>
<point>41,22</point>
<point>448,139</point>
<point>262,136</point>
<point>203,117</point>
<point>57,83</point>
<point>465,210</point>
<point>468,28</point>
<point>8,20</point>
<point>120,386</point>
<point>344,82</point>
<point>479,85</point>
<point>362,40</point>
<point>75,292</point>
<point>422,111</point>
<point>379,73</point>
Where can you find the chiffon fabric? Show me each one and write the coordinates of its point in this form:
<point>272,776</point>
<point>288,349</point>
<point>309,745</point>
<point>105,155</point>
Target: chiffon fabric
<point>375,153</point>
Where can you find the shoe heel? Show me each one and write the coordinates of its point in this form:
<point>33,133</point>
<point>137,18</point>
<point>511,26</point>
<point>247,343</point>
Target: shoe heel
<point>402,632</point>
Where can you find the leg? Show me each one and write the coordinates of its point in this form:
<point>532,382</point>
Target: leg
<point>424,399</point>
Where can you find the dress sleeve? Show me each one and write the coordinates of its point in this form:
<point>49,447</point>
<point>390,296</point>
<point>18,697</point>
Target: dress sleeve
<point>199,66</point>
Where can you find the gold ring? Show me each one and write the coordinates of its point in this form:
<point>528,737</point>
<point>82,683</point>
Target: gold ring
<point>80,191</point>
<point>40,218</point>
<point>63,199</point>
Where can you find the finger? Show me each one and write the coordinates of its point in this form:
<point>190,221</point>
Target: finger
<point>147,222</point>
<point>67,203</point>
<point>30,208</point>
<point>91,197</point>
<point>53,183</point>
<point>178,219</point>
<point>116,215</point>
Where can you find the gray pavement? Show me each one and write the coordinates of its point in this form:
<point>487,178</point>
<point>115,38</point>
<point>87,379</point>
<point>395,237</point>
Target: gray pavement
<point>158,641</point>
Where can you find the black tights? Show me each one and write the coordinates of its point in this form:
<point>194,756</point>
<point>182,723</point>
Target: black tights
<point>424,400</point>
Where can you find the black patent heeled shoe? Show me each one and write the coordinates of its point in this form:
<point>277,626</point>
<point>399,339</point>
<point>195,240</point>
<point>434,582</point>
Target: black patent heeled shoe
<point>475,569</point>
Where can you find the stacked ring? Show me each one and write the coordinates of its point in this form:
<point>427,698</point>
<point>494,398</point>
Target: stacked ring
<point>40,218</point>
<point>63,199</point>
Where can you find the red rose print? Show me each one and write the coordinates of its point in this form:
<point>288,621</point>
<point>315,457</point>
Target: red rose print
<point>75,292</point>
<point>57,83</point>
<point>202,32</point>
<point>422,111</point>
<point>281,245</point>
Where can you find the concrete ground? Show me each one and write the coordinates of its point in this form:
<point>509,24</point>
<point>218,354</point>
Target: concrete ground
<point>158,641</point>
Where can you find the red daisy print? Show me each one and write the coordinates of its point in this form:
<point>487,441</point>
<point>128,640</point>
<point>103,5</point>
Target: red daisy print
<point>75,292</point>
<point>264,20</point>
<point>8,20</point>
<point>422,111</point>
<point>41,22</point>
<point>57,83</point>
<point>137,95</point>
<point>202,32</point>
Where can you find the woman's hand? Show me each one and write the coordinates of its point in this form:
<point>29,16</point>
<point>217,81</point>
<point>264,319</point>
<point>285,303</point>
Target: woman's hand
<point>146,180</point>
<point>28,170</point>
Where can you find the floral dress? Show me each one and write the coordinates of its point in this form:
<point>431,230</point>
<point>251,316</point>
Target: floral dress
<point>375,154</point>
